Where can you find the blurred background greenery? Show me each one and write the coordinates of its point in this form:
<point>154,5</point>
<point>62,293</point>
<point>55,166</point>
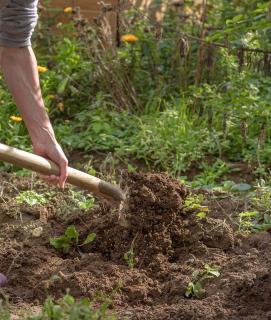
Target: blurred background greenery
<point>188,91</point>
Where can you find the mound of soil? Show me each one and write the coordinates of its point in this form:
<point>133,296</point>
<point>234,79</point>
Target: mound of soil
<point>168,242</point>
<point>153,220</point>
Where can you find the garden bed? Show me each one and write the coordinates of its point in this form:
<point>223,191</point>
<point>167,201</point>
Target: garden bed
<point>157,232</point>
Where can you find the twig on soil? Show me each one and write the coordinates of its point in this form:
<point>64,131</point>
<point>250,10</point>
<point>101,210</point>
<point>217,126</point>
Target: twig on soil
<point>13,262</point>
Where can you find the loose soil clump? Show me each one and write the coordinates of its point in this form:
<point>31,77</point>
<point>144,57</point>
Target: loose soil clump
<point>169,244</point>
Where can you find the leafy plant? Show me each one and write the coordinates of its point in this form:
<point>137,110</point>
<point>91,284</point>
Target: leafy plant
<point>69,239</point>
<point>211,174</point>
<point>194,204</point>
<point>263,223</point>
<point>195,286</point>
<point>31,198</point>
<point>166,100</point>
<point>69,308</point>
<point>82,201</point>
<point>253,221</point>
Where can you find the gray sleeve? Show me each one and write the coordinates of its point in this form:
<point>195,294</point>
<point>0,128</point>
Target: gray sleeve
<point>18,19</point>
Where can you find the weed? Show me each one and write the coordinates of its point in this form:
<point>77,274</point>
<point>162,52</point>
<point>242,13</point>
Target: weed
<point>246,219</point>
<point>81,201</point>
<point>253,221</point>
<point>195,286</point>
<point>69,308</point>
<point>31,198</point>
<point>69,239</point>
<point>211,174</point>
<point>90,169</point>
<point>193,204</point>
<point>263,223</point>
<point>129,256</point>
<point>258,218</point>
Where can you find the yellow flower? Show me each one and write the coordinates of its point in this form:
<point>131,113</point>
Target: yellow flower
<point>42,69</point>
<point>129,38</point>
<point>16,119</point>
<point>68,10</point>
<point>60,106</point>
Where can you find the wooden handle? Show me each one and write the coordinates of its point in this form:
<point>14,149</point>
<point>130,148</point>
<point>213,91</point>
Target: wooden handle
<point>78,178</point>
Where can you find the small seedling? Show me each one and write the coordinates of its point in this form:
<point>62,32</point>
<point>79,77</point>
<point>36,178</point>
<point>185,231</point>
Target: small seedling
<point>31,198</point>
<point>246,221</point>
<point>195,286</point>
<point>70,308</point>
<point>193,204</point>
<point>263,224</point>
<point>82,201</point>
<point>69,239</point>
<point>129,256</point>
<point>253,221</point>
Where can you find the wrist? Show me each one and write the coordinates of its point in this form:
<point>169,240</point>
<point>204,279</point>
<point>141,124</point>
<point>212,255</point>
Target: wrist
<point>42,135</point>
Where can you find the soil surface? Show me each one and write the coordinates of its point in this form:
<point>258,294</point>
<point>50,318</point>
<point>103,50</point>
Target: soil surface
<point>169,243</point>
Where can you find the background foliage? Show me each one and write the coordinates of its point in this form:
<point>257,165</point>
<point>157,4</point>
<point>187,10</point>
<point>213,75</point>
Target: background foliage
<point>196,85</point>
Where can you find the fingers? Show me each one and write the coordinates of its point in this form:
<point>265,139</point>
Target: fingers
<point>50,179</point>
<point>63,173</point>
<point>54,153</point>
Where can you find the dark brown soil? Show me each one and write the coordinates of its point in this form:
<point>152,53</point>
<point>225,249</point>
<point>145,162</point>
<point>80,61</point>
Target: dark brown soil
<point>169,244</point>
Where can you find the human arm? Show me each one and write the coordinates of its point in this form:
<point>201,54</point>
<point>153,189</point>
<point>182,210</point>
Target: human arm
<point>20,71</point>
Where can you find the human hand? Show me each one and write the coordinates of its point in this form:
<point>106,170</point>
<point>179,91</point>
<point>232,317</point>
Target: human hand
<point>53,152</point>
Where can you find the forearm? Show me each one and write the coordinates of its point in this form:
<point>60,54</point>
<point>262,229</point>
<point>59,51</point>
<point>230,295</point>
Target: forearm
<point>19,67</point>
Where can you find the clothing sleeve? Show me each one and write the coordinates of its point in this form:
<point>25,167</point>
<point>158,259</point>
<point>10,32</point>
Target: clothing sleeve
<point>18,19</point>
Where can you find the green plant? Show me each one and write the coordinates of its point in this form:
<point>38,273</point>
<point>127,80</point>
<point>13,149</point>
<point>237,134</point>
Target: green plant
<point>129,256</point>
<point>211,173</point>
<point>68,308</point>
<point>69,239</point>
<point>31,198</point>
<point>195,286</point>
<point>263,223</point>
<point>82,201</point>
<point>4,313</point>
<point>193,204</point>
<point>246,219</point>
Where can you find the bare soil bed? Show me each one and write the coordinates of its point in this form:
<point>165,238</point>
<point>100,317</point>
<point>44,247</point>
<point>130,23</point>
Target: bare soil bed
<point>169,244</point>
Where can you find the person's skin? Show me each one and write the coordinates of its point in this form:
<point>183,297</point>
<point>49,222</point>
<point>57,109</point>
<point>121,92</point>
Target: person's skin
<point>20,71</point>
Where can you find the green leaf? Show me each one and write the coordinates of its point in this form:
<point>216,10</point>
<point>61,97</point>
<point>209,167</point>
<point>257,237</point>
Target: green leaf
<point>71,233</point>
<point>267,218</point>
<point>90,238</point>
<point>97,127</point>
<point>237,18</point>
<point>242,187</point>
<point>197,288</point>
<point>62,86</point>
<point>68,299</point>
<point>215,273</point>
<point>248,214</point>
<point>59,242</point>
<point>189,290</point>
<point>201,215</point>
